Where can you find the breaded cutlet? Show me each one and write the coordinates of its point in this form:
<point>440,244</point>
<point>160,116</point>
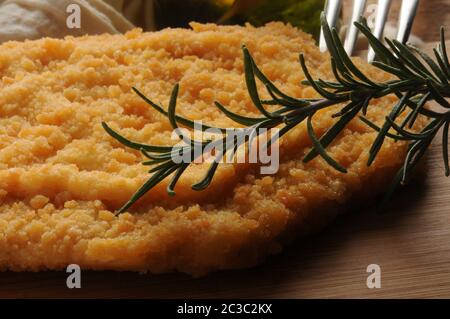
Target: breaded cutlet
<point>62,177</point>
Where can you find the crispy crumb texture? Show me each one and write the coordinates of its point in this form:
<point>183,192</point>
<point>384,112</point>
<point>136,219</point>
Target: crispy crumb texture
<point>62,176</point>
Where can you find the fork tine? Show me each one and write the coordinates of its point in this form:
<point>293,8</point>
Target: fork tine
<point>380,21</point>
<point>332,10</point>
<point>352,33</point>
<point>407,14</point>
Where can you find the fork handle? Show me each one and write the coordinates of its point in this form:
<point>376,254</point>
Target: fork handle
<point>332,11</point>
<point>380,20</point>
<point>352,33</point>
<point>407,14</point>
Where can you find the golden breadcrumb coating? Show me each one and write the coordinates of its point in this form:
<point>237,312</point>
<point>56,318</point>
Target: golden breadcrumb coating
<point>62,177</point>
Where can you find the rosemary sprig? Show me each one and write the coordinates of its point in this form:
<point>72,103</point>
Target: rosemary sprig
<point>420,78</point>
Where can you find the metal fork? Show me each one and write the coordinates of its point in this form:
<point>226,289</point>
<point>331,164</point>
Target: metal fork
<point>407,14</point>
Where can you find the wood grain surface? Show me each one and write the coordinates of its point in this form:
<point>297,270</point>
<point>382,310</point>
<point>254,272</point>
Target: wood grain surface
<point>410,242</point>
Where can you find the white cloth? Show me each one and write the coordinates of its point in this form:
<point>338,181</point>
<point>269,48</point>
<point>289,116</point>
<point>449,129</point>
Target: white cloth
<point>32,19</point>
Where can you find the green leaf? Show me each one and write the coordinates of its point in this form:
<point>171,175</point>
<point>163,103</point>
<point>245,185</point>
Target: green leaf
<point>348,62</point>
<point>376,146</point>
<point>318,89</point>
<point>330,43</point>
<point>405,55</point>
<point>418,107</point>
<point>437,96</point>
<point>436,69</point>
<point>162,167</point>
<point>175,179</point>
<point>338,77</point>
<point>248,121</point>
<point>151,182</point>
<point>179,119</point>
<point>445,148</point>
<point>286,103</point>
<point>206,181</point>
<point>269,84</point>
<point>251,84</point>
<point>443,49</point>
<point>412,152</point>
<point>411,135</point>
<point>382,53</point>
<point>137,146</point>
<point>378,129</point>
<point>441,63</point>
<point>172,107</point>
<point>321,150</point>
<point>390,69</point>
<point>333,131</point>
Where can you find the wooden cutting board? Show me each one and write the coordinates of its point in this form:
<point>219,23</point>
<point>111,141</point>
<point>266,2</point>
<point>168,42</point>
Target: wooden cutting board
<point>411,244</point>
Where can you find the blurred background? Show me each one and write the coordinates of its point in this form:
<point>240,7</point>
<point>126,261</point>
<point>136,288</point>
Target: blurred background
<point>33,19</point>
<point>301,13</point>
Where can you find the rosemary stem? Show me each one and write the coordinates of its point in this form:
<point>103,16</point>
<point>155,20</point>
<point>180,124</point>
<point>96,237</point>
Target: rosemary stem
<point>419,79</point>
